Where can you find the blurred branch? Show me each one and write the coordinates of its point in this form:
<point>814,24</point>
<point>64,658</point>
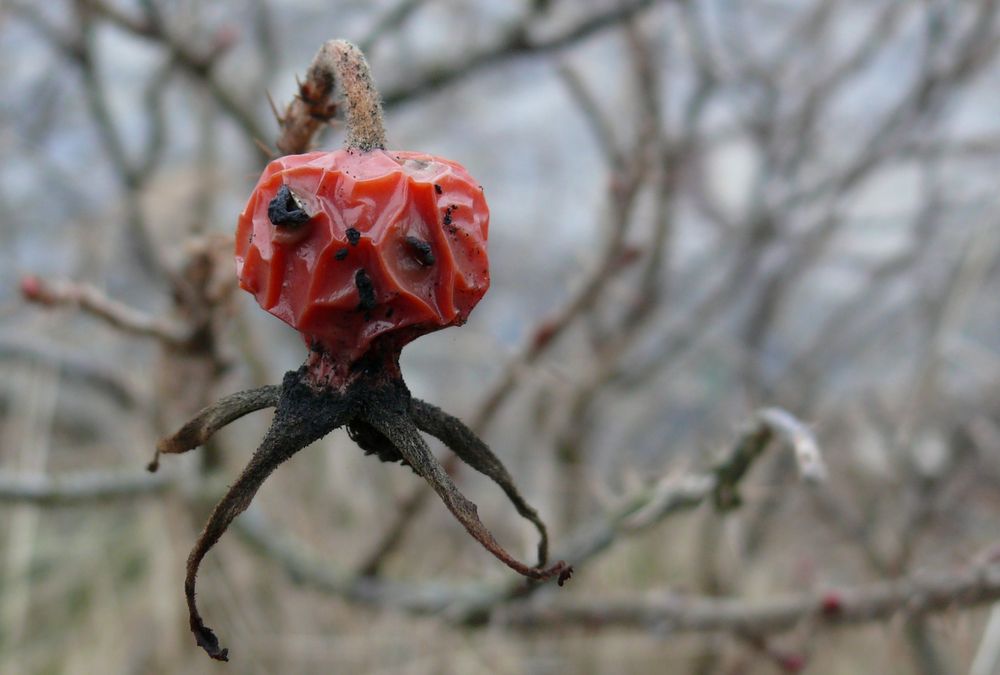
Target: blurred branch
<point>200,64</point>
<point>767,424</point>
<point>587,101</point>
<point>73,368</point>
<point>388,22</point>
<point>472,604</point>
<point>78,48</point>
<point>912,596</point>
<point>516,41</point>
<point>94,302</point>
<point>81,487</point>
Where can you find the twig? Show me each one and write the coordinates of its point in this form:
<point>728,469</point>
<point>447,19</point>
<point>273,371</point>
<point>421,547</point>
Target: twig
<point>675,614</point>
<point>515,42</point>
<point>587,102</point>
<point>198,64</point>
<point>74,368</point>
<point>799,439</point>
<point>79,487</point>
<point>767,423</point>
<point>391,20</point>
<point>94,302</point>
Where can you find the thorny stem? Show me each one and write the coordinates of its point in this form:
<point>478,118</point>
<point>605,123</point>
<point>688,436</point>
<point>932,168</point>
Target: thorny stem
<point>381,416</point>
<point>338,63</point>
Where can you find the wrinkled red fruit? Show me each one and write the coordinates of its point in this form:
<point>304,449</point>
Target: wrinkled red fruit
<point>349,246</point>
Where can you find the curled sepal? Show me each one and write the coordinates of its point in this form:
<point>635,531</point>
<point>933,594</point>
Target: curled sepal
<point>461,440</point>
<point>212,418</point>
<point>303,415</point>
<point>393,421</point>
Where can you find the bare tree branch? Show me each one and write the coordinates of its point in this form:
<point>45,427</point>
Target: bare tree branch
<point>675,614</point>
<point>94,302</point>
<point>516,41</point>
<point>472,603</point>
<point>80,487</point>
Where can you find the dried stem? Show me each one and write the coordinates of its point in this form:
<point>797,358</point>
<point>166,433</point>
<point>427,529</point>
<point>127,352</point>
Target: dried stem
<point>341,64</point>
<point>516,41</point>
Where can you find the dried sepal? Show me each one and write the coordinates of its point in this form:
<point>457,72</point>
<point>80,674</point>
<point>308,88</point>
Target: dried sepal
<point>303,415</point>
<point>461,440</point>
<point>212,418</point>
<point>393,421</point>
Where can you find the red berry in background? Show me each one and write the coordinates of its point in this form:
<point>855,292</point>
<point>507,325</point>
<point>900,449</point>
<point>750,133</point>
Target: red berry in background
<point>350,246</point>
<point>831,604</point>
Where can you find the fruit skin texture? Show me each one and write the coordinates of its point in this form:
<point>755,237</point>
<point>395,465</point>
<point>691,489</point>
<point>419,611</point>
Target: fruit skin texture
<point>394,247</point>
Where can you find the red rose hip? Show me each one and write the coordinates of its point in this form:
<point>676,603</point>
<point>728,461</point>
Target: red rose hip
<point>348,247</point>
<point>361,250</point>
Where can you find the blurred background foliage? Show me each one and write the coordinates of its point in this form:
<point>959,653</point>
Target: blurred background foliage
<point>698,209</point>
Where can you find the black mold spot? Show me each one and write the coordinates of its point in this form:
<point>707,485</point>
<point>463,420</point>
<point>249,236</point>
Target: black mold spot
<point>421,251</point>
<point>353,236</point>
<point>389,312</point>
<point>285,210</point>
<point>366,290</point>
<point>437,188</point>
<point>447,213</point>
<point>341,254</point>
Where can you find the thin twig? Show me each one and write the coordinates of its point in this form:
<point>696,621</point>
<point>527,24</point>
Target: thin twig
<point>79,487</point>
<point>198,64</point>
<point>93,301</point>
<point>515,42</point>
<point>914,596</point>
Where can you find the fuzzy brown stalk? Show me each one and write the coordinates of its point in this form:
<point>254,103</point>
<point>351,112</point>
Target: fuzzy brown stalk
<point>338,64</point>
